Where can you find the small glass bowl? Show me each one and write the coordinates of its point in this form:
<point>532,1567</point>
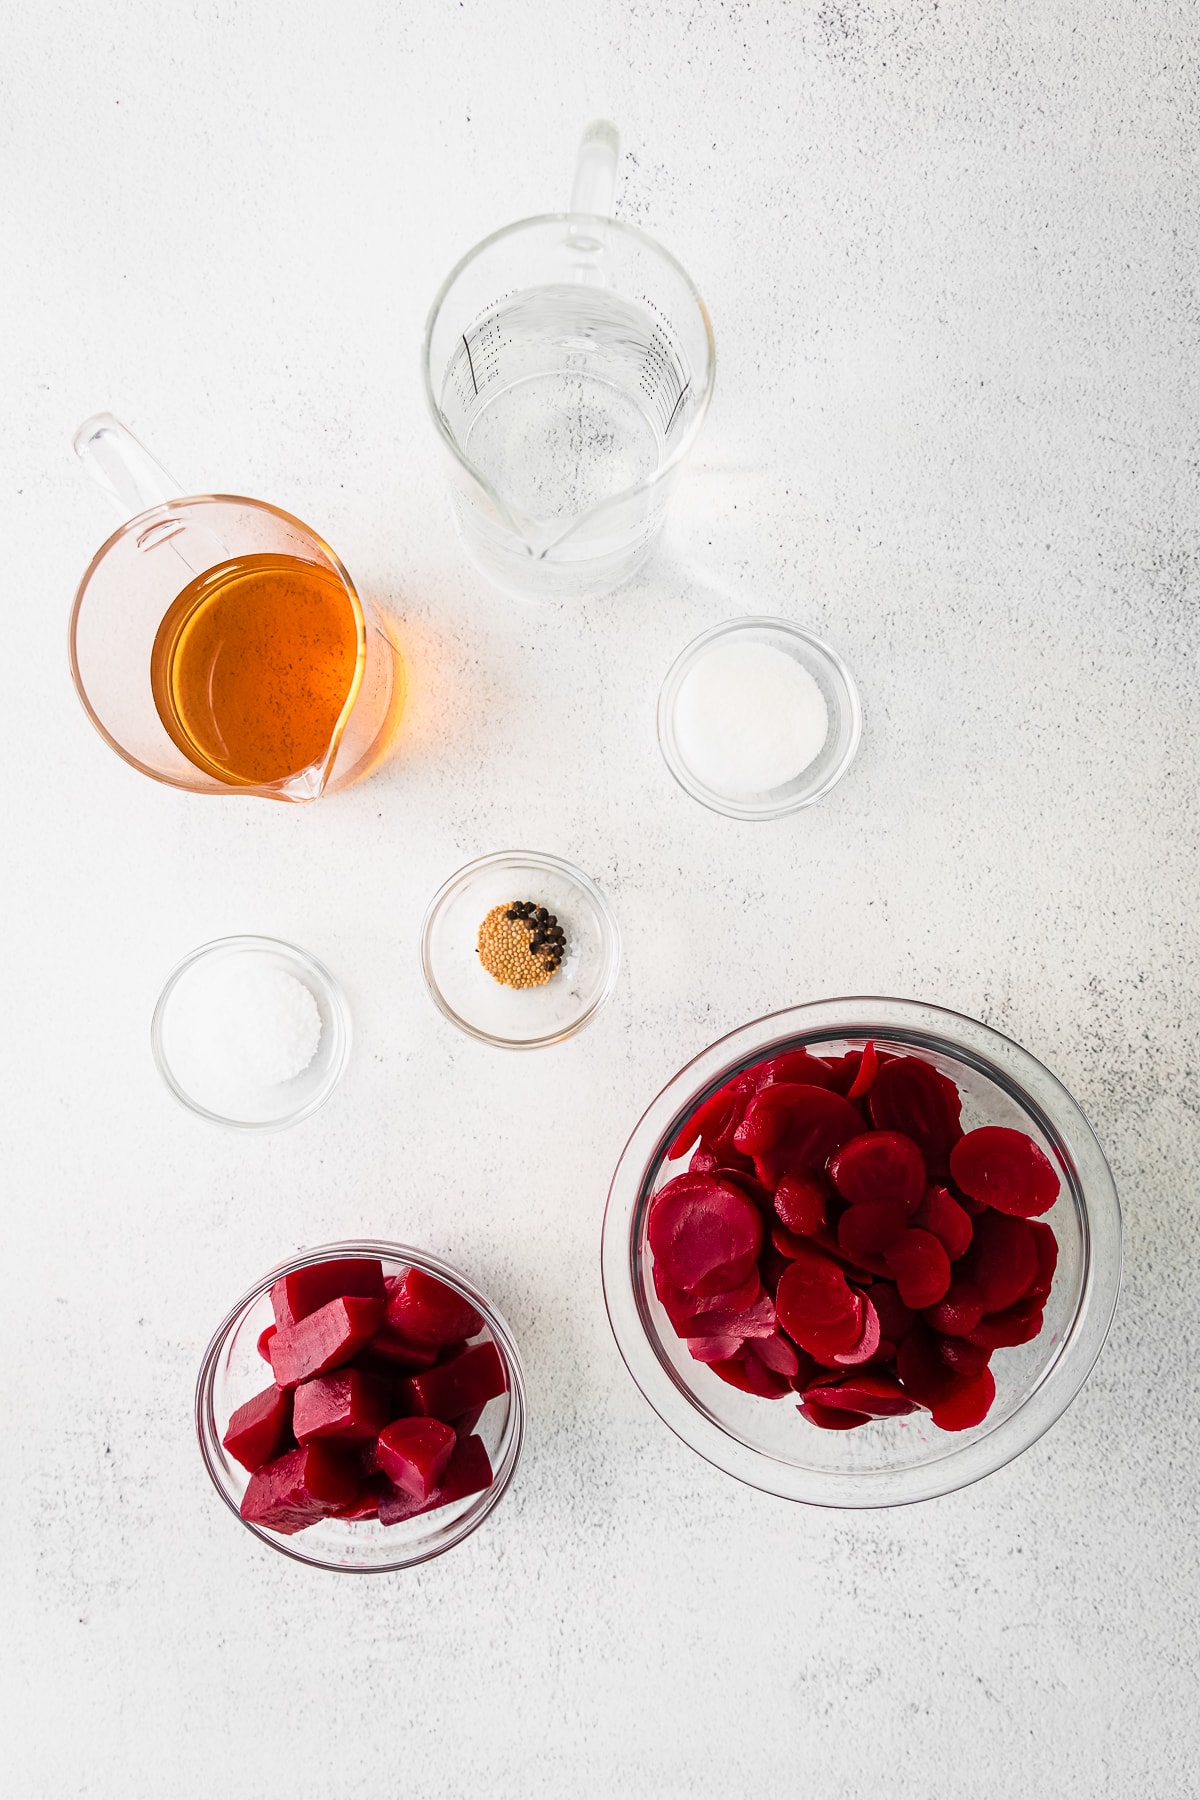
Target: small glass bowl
<point>266,1108</point>
<point>520,1018</point>
<point>841,700</point>
<point>891,1461</point>
<point>232,1371</point>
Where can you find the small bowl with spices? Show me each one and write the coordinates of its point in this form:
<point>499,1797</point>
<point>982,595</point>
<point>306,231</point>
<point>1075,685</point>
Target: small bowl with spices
<point>251,1032</point>
<point>520,949</point>
<point>758,718</point>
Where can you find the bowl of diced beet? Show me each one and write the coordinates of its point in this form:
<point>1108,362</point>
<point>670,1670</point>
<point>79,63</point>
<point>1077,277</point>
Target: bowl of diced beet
<point>862,1252</point>
<point>362,1407</point>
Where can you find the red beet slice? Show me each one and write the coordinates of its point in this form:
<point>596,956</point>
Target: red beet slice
<point>771,1264</point>
<point>878,1395</point>
<point>958,1311</point>
<point>895,1319</point>
<point>351,1406</point>
<point>705,1233</point>
<point>869,1229</point>
<point>414,1453</point>
<point>911,1096</point>
<point>831,1418</point>
<point>921,1371</point>
<point>715,1119</point>
<point>447,1391</point>
<point>1046,1245</point>
<point>879,1165</point>
<point>800,1204</point>
<point>715,1349</point>
<point>864,1078</point>
<point>468,1472</point>
<point>817,1307</point>
<point>323,1339</point>
<point>962,1357</point>
<point>1006,1169</point>
<point>794,1130</point>
<point>752,1376</point>
<point>755,1321</point>
<point>778,1354</point>
<point>868,1340</point>
<point>298,1488</point>
<point>844,1070</point>
<point>426,1311</point>
<point>259,1429</point>
<point>919,1262</point>
<point>940,1213</point>
<point>969,1406</point>
<point>1018,1324</point>
<point>794,1067</point>
<point>264,1342</point>
<point>306,1291</point>
<point>1002,1261</point>
<point>682,1308</point>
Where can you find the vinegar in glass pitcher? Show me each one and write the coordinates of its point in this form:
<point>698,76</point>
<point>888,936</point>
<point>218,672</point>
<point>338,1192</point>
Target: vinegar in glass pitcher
<point>252,667</point>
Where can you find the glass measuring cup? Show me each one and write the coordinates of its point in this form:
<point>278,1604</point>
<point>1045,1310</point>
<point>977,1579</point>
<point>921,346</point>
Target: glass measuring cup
<point>183,550</point>
<point>568,365</point>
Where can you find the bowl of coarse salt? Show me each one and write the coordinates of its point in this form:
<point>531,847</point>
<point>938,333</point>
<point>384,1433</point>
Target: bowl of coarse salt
<point>251,1032</point>
<point>757,718</point>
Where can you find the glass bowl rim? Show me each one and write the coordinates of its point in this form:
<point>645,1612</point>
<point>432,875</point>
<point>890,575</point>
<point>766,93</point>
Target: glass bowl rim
<point>536,859</point>
<point>960,1038</point>
<point>505,1342</point>
<point>331,989</point>
<point>850,705</point>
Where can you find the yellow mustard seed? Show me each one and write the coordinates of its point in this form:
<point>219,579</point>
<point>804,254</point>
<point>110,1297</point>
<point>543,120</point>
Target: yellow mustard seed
<point>507,939</point>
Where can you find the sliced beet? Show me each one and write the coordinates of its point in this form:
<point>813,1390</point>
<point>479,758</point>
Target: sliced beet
<point>414,1453</point>
<point>1018,1324</point>
<point>866,1344</point>
<point>794,1067</point>
<point>323,1339</point>
<point>448,1390</point>
<point>844,1070</point>
<point>921,1267</point>
<point>759,1378</point>
<point>264,1342</point>
<point>307,1290</point>
<point>911,1096</point>
<point>962,1357</point>
<point>778,1353</point>
<point>940,1213</point>
<point>920,1369</point>
<point>350,1406</point>
<point>260,1429</point>
<point>816,1305</point>
<point>715,1119</point>
<point>1046,1245</point>
<point>878,1395</point>
<point>895,1319</point>
<point>682,1307</point>
<point>879,1165</point>
<point>705,1233</point>
<point>1002,1261</point>
<point>958,1311</point>
<point>800,1204</point>
<point>754,1321</point>
<point>869,1229</point>
<point>865,1074</point>
<point>771,1264</point>
<point>792,1129</point>
<point>715,1349</point>
<point>831,1418</point>
<point>427,1311</point>
<point>1006,1169</point>
<point>969,1406</point>
<point>298,1489</point>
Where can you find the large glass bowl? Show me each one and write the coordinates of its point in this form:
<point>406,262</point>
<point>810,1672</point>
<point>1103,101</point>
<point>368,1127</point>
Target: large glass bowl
<point>233,1371</point>
<point>891,1461</point>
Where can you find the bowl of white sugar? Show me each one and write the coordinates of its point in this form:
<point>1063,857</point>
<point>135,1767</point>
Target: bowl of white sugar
<point>757,718</point>
<point>251,1032</point>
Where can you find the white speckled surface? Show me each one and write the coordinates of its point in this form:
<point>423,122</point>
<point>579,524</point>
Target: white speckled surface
<point>950,254</point>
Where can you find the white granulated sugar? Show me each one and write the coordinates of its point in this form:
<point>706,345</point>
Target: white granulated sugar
<point>749,718</point>
<point>239,1027</point>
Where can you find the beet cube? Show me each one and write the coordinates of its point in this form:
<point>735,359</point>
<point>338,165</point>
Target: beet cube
<point>450,1389</point>
<point>468,1472</point>
<point>306,1291</point>
<point>413,1453</point>
<point>399,1354</point>
<point>351,1406</point>
<point>298,1488</point>
<point>259,1429</point>
<point>365,1504</point>
<point>323,1339</point>
<point>426,1311</point>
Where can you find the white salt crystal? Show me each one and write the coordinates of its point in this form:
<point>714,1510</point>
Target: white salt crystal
<point>749,718</point>
<point>235,1028</point>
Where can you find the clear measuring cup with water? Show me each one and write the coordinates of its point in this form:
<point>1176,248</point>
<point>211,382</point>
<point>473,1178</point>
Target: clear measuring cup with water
<point>568,365</point>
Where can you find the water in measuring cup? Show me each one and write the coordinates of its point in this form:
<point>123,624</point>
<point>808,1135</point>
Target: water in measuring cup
<point>564,397</point>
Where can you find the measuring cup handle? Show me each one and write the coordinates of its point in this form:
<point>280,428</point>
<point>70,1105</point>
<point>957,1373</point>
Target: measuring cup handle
<point>121,467</point>
<point>596,170</point>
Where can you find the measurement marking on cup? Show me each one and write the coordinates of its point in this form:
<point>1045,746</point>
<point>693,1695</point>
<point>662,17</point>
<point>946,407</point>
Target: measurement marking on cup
<point>683,390</point>
<point>470,364</point>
